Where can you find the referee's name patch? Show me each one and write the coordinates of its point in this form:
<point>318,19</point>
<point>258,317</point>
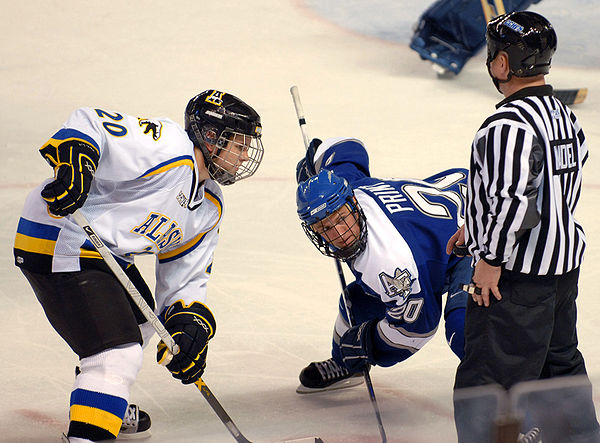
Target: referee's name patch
<point>565,157</point>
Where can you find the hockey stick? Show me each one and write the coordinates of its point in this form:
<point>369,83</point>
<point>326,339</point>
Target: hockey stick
<point>129,287</point>
<point>571,96</point>
<point>155,322</point>
<point>302,123</point>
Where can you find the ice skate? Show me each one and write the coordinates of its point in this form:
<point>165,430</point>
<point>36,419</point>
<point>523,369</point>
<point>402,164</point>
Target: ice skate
<point>135,423</point>
<point>326,376</point>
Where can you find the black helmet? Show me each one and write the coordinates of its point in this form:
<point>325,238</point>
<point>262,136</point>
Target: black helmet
<point>528,39</point>
<point>221,121</point>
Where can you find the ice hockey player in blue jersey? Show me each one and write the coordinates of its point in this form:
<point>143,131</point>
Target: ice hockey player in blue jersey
<point>450,32</point>
<point>392,234</point>
<point>149,186</point>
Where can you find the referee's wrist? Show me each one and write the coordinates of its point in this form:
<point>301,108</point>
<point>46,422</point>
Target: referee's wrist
<point>495,262</point>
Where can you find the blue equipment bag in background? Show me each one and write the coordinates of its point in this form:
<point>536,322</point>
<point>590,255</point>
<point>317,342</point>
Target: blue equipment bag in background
<point>450,32</point>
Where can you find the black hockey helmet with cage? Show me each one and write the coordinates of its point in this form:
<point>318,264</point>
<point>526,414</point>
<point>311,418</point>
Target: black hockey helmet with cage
<point>528,39</point>
<point>214,117</point>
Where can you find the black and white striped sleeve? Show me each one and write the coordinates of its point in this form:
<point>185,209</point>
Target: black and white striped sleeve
<point>506,162</point>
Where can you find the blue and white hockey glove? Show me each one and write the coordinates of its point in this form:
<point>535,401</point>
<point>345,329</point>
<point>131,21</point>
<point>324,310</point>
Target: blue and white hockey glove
<point>74,164</point>
<point>191,327</point>
<point>306,166</point>
<point>356,346</point>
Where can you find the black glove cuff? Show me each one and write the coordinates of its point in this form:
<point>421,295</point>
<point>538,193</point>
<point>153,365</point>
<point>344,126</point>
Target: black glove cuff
<point>70,152</point>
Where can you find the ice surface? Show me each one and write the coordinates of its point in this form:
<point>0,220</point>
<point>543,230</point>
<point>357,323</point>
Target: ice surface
<point>274,296</point>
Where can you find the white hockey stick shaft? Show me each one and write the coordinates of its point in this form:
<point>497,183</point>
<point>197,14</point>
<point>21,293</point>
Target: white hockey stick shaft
<point>302,122</point>
<point>127,284</point>
<point>155,322</point>
<point>300,115</point>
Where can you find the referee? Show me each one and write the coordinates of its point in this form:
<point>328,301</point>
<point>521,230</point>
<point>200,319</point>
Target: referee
<point>524,185</point>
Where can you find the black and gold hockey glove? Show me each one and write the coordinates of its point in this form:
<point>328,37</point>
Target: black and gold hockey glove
<point>74,163</point>
<point>191,327</point>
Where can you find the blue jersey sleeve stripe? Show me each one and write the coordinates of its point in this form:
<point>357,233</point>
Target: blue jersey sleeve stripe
<point>65,134</point>
<point>37,230</point>
<point>183,160</point>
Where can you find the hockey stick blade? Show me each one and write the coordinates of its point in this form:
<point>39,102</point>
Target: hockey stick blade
<point>571,96</point>
<point>228,422</point>
<point>221,413</point>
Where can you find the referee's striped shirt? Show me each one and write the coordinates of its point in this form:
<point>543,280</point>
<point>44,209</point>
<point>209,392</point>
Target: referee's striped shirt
<point>524,185</point>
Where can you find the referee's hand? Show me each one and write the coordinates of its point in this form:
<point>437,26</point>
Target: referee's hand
<point>486,279</point>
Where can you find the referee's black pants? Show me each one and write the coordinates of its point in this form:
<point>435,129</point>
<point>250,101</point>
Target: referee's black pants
<point>529,334</point>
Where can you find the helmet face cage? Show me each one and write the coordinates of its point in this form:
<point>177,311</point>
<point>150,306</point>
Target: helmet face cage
<point>528,39</point>
<point>331,216</point>
<point>347,227</point>
<point>237,156</point>
<point>232,131</point>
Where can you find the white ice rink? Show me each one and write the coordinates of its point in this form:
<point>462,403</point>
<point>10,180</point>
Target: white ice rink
<point>274,296</point>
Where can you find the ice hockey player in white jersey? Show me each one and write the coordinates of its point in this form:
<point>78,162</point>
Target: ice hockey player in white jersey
<point>149,186</point>
<point>392,234</point>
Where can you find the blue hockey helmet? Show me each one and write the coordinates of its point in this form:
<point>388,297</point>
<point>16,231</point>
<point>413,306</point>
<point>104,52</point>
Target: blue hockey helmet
<point>528,39</point>
<point>319,198</point>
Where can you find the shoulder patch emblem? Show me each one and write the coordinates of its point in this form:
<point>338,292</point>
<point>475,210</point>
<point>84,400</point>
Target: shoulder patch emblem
<point>398,285</point>
<point>149,126</point>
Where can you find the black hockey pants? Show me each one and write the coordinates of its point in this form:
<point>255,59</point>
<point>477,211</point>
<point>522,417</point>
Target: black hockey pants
<point>529,334</point>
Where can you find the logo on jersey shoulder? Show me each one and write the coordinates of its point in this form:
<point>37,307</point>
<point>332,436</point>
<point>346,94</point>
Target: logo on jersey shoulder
<point>151,126</point>
<point>398,285</point>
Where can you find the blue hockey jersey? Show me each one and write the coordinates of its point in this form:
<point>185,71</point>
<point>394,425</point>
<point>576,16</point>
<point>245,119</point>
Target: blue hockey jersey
<point>404,263</point>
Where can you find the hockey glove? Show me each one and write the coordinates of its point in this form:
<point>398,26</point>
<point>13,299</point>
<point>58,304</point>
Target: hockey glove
<point>74,164</point>
<point>356,346</point>
<point>191,327</point>
<point>306,167</point>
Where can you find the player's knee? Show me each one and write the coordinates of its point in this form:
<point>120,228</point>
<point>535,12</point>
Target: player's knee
<point>455,335</point>
<point>114,370</point>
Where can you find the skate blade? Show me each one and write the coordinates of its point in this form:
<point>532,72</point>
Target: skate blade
<point>355,380</point>
<point>136,436</point>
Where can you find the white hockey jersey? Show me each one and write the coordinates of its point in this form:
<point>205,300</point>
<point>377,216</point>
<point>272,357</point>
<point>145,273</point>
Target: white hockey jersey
<point>145,199</point>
